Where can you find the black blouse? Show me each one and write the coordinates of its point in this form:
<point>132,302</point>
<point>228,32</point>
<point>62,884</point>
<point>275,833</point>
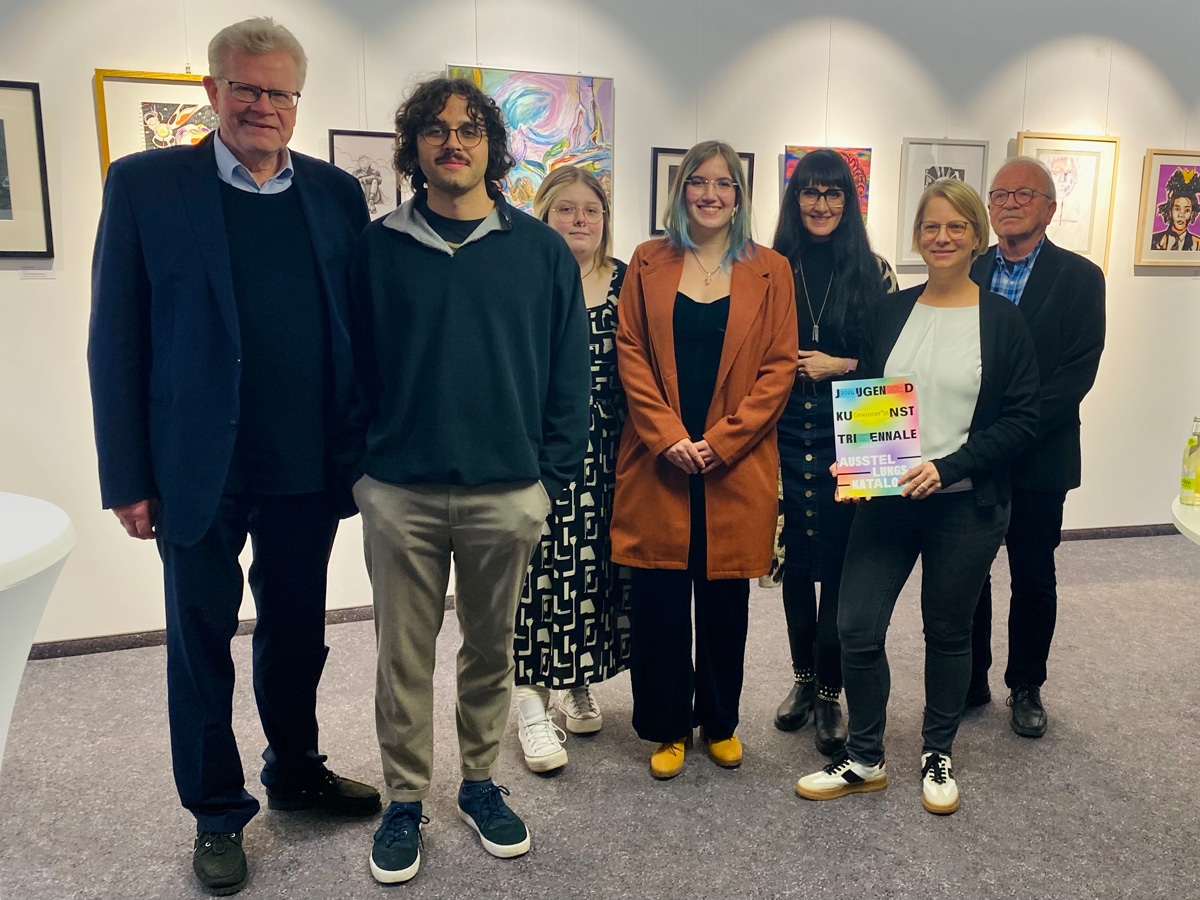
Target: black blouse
<point>699,338</point>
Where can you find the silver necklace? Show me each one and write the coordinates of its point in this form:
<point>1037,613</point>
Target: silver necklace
<point>816,317</point>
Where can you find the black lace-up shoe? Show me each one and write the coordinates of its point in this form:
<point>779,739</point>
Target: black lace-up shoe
<point>219,861</point>
<point>1028,714</point>
<point>396,853</point>
<point>327,792</point>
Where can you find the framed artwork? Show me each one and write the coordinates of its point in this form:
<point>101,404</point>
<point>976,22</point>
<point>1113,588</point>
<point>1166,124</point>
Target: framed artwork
<point>367,155</point>
<point>149,111</point>
<point>552,120</point>
<point>922,162</point>
<point>857,158</point>
<point>1168,233</point>
<point>1084,169</point>
<point>24,190</point>
<point>664,164</point>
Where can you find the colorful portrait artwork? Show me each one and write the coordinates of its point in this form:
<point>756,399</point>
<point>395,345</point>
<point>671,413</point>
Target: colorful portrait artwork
<point>1177,208</point>
<point>552,120</point>
<point>858,158</point>
<point>176,124</point>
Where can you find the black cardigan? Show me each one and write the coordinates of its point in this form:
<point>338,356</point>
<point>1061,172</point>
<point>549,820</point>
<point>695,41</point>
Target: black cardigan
<point>1006,413</point>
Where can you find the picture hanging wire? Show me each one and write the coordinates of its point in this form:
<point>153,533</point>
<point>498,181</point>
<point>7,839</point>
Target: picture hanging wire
<point>187,57</point>
<point>1108,100</point>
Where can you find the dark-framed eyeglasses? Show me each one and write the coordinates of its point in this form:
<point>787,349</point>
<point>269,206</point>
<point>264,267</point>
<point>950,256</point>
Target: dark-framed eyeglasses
<point>568,212</point>
<point>1023,196</point>
<point>834,197</point>
<point>249,93</point>
<point>469,134</point>
<point>723,185</point>
<point>956,230</point>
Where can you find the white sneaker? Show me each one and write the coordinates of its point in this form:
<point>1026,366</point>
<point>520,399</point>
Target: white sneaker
<point>581,713</point>
<point>939,790</point>
<point>541,739</point>
<point>841,777</point>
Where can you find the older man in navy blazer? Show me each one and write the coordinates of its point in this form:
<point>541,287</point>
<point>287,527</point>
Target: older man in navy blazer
<point>221,384</point>
<point>1061,295</point>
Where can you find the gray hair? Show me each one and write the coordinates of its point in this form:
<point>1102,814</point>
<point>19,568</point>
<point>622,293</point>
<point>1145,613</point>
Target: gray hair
<point>255,37</point>
<point>1040,166</point>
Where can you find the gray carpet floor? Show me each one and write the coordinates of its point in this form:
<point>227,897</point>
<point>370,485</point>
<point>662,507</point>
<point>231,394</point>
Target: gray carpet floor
<point>1107,805</point>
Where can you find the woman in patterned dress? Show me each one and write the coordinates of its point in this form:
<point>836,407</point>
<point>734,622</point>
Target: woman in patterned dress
<point>837,279</point>
<point>572,628</point>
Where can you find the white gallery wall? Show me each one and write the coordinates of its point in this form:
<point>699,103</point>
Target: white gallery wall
<point>759,74</point>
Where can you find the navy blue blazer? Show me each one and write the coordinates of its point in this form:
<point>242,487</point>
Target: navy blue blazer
<point>1006,411</point>
<point>1063,305</point>
<point>164,349</point>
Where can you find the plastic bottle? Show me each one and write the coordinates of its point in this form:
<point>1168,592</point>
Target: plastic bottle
<point>1189,482</point>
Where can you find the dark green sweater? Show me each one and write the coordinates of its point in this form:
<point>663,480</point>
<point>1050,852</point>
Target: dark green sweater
<point>473,365</point>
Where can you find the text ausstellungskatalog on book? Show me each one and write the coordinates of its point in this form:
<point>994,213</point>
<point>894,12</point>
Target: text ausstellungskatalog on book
<point>875,434</point>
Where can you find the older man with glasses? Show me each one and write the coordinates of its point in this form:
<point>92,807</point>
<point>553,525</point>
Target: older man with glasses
<point>1061,295</point>
<point>221,386</point>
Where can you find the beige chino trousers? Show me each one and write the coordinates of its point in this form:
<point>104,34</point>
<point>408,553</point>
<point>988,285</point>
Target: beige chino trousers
<point>410,533</point>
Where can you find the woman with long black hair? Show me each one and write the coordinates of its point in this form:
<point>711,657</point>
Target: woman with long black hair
<point>837,277</point>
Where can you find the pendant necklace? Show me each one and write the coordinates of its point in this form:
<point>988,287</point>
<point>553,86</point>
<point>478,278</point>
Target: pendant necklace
<point>816,317</point>
<point>708,276</point>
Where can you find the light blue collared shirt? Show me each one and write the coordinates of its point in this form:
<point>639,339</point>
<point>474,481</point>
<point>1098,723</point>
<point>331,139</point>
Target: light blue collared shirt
<point>1009,278</point>
<point>233,173</point>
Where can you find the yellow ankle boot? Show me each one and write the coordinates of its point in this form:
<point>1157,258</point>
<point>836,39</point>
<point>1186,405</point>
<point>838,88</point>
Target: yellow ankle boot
<point>667,760</point>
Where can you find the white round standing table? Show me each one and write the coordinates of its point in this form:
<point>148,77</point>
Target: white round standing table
<point>35,538</point>
<point>1186,519</point>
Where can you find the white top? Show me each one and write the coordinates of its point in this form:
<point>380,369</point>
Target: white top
<point>939,349</point>
<point>34,535</point>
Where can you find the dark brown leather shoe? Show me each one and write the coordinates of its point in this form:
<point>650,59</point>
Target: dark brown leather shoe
<point>1028,714</point>
<point>793,712</point>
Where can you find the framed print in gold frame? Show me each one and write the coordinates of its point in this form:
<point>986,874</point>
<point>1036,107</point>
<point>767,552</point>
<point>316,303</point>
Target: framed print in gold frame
<point>138,111</point>
<point>1168,222</point>
<point>1084,168</point>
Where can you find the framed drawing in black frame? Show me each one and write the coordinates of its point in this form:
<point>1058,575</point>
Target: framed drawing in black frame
<point>367,155</point>
<point>24,189</point>
<point>664,163</point>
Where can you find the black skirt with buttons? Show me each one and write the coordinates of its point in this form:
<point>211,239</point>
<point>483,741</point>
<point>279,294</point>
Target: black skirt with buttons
<point>815,526</point>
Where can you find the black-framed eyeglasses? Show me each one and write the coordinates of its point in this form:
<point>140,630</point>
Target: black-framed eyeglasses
<point>834,197</point>
<point>1023,196</point>
<point>723,185</point>
<point>469,134</point>
<point>249,93</point>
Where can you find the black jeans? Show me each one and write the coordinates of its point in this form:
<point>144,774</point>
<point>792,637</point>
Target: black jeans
<point>292,536</point>
<point>956,541</point>
<point>1034,532</point>
<point>662,676</point>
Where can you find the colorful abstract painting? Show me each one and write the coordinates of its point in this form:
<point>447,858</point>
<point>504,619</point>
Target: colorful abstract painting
<point>176,124</point>
<point>553,120</point>
<point>858,158</point>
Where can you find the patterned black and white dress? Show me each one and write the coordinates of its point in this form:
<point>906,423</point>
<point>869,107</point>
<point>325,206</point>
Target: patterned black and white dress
<point>572,625</point>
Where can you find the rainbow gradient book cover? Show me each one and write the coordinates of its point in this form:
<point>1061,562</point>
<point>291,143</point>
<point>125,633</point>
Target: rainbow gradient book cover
<point>876,435</point>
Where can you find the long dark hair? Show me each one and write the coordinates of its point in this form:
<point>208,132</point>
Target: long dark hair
<point>422,108</point>
<point>857,281</point>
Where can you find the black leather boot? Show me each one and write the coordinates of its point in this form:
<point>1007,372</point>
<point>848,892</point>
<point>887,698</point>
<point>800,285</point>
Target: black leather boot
<point>793,711</point>
<point>828,722</point>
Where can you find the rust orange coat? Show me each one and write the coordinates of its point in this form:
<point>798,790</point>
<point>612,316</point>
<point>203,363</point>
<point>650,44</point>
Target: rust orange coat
<point>651,524</point>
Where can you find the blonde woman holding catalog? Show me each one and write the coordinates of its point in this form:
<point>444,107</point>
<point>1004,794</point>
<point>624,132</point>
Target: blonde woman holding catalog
<point>977,392</point>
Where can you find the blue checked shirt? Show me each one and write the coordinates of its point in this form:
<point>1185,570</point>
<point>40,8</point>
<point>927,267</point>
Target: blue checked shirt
<point>1009,278</point>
